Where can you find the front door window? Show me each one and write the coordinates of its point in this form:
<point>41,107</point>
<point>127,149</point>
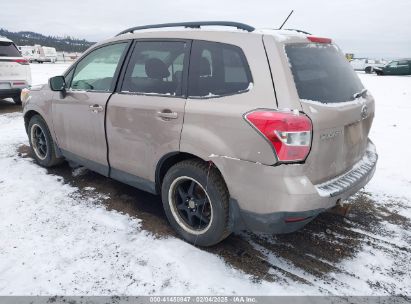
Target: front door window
<point>96,71</point>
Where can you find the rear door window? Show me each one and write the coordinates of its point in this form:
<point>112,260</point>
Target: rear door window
<point>322,73</point>
<point>8,49</point>
<point>217,69</point>
<point>157,67</point>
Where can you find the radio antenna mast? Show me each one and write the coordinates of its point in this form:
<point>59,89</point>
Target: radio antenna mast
<point>292,11</point>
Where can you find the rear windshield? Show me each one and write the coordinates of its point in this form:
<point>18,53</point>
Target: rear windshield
<point>8,49</point>
<point>322,73</point>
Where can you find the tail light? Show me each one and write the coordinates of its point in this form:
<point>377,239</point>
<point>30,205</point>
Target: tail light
<point>288,132</point>
<point>21,61</point>
<point>319,39</point>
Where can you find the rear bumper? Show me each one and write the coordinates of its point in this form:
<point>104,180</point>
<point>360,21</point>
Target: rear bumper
<point>14,88</point>
<point>354,179</point>
<point>282,199</point>
<point>275,223</point>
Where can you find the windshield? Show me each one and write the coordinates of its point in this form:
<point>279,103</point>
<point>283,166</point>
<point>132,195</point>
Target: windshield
<point>322,73</point>
<point>8,49</point>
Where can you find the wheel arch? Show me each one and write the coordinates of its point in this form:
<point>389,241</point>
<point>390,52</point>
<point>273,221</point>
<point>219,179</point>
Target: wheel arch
<point>235,221</point>
<point>170,159</point>
<point>27,117</point>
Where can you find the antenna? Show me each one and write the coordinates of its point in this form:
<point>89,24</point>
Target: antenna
<point>292,11</point>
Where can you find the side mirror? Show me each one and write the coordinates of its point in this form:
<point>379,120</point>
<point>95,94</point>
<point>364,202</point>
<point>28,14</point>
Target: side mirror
<point>57,83</point>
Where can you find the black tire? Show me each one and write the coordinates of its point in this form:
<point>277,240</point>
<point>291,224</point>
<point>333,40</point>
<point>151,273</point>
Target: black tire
<point>207,180</point>
<point>17,100</point>
<point>43,146</point>
<point>369,70</point>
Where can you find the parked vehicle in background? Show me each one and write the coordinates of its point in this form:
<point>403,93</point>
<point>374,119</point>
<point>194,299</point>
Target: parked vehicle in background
<point>365,64</point>
<point>50,54</point>
<point>198,117</point>
<point>396,67</point>
<point>27,51</point>
<point>38,53</point>
<point>15,73</point>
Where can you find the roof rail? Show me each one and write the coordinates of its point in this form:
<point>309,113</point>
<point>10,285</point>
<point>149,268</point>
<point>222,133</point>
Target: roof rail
<point>196,24</point>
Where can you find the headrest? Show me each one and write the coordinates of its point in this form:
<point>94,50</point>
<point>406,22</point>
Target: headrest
<point>205,68</point>
<point>156,69</point>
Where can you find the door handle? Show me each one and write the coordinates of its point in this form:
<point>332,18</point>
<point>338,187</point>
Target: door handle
<point>96,108</point>
<point>167,114</point>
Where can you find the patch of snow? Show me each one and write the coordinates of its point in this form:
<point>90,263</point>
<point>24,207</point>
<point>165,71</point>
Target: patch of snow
<point>390,130</point>
<point>79,171</point>
<point>212,95</point>
<point>42,72</point>
<point>356,101</point>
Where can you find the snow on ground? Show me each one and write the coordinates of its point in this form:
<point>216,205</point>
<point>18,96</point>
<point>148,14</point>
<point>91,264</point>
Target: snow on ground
<point>42,72</point>
<point>55,240</point>
<point>391,133</point>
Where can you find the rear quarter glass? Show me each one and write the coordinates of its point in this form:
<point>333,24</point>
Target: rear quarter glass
<point>322,73</point>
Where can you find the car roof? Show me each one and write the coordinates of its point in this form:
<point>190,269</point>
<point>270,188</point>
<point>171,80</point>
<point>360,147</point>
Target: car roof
<point>4,39</point>
<point>281,36</point>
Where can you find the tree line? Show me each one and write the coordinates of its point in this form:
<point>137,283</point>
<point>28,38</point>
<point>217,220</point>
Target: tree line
<point>62,44</point>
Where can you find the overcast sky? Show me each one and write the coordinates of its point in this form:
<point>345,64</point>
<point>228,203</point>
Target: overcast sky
<point>366,28</point>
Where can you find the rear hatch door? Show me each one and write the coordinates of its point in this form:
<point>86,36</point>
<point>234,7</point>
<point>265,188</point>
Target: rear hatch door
<point>12,65</point>
<point>341,110</point>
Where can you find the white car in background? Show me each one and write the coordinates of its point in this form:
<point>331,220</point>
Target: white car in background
<point>15,73</point>
<point>367,65</point>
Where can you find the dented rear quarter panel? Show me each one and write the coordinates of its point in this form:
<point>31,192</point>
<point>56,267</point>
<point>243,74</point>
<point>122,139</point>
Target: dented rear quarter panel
<point>216,126</point>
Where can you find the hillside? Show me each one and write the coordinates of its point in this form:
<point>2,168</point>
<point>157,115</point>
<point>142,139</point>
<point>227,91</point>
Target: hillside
<point>66,44</point>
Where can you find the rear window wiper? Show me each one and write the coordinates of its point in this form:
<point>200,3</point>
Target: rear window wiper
<point>360,94</point>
